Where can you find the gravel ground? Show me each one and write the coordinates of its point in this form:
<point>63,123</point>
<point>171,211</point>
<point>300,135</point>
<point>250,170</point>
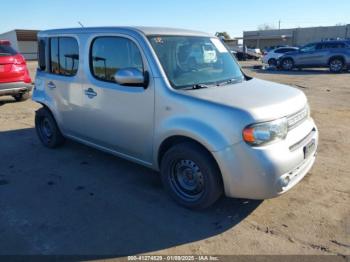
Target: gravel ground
<point>76,200</point>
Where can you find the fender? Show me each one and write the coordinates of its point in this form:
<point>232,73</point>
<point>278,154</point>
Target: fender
<point>206,135</point>
<point>336,56</point>
<point>42,98</point>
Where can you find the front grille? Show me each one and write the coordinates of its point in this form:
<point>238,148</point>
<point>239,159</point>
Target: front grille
<point>303,141</point>
<point>297,118</point>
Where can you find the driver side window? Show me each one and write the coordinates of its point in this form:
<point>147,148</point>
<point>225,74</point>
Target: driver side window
<point>109,54</point>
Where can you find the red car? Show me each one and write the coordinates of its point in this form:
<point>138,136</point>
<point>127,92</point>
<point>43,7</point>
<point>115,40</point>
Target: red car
<point>14,75</point>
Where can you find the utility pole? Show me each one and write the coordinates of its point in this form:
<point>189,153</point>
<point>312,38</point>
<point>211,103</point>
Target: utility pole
<point>279,24</point>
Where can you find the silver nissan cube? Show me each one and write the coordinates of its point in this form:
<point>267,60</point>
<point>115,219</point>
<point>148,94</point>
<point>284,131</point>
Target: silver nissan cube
<point>178,102</point>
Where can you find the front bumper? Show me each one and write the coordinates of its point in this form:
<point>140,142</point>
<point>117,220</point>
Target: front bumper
<point>262,172</point>
<point>14,88</point>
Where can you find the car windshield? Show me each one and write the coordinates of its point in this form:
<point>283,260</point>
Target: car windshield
<point>192,61</point>
<point>6,50</point>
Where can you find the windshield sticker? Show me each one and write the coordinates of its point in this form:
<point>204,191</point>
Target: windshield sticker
<point>219,45</point>
<point>159,40</point>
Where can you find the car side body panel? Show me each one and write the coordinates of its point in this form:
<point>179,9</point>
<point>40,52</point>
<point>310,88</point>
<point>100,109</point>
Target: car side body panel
<point>133,122</point>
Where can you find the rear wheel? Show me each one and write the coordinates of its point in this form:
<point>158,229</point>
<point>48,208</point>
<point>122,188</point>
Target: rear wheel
<point>287,64</point>
<point>272,62</point>
<point>21,96</point>
<point>336,65</point>
<point>191,176</point>
<point>47,129</point>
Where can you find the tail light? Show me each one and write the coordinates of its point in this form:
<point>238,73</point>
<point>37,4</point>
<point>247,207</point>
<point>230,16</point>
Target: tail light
<point>5,42</point>
<point>20,65</point>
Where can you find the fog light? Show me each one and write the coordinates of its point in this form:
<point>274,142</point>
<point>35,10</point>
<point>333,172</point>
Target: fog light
<point>284,181</point>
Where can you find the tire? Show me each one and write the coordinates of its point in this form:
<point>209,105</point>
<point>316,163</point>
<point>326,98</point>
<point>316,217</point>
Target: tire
<point>191,176</point>
<point>272,62</point>
<point>336,65</point>
<point>21,96</point>
<point>47,129</point>
<point>287,64</point>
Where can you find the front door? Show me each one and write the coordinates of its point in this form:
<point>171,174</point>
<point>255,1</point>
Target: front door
<point>310,55</point>
<point>118,118</point>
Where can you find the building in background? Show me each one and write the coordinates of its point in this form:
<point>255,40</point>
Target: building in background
<point>24,41</point>
<point>294,37</point>
<point>231,43</point>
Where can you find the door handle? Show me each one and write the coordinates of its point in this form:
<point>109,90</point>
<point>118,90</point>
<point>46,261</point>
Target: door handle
<point>90,93</point>
<point>51,85</point>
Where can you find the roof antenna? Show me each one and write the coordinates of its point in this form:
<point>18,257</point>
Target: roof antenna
<point>80,24</point>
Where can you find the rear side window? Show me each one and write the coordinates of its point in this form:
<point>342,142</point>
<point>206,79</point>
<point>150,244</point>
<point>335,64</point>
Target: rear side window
<point>64,56</point>
<point>334,45</point>
<point>109,54</point>
<point>283,50</point>
<point>7,50</point>
<point>290,50</point>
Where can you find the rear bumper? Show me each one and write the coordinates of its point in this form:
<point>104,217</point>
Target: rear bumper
<point>14,88</point>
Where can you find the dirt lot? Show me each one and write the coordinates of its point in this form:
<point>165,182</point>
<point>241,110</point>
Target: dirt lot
<point>76,200</point>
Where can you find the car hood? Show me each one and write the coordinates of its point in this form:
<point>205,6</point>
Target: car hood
<point>263,100</point>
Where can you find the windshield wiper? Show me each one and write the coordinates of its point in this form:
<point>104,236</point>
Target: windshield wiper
<point>230,81</point>
<point>196,86</point>
<point>200,86</point>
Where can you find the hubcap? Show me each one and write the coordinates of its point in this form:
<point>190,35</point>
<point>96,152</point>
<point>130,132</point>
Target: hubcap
<point>46,130</point>
<point>272,62</point>
<point>336,65</point>
<point>187,180</point>
<point>287,64</point>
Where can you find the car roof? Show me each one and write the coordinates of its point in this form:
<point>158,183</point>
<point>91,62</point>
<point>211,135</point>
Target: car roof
<point>283,47</point>
<point>331,42</point>
<point>138,29</point>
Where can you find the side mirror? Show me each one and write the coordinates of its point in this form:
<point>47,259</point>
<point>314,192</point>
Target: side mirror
<point>130,77</point>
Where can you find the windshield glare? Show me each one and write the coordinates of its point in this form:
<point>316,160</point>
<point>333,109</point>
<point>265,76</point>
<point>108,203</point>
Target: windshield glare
<point>189,61</point>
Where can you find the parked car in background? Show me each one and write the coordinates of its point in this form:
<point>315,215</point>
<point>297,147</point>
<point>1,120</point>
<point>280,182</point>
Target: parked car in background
<point>243,54</point>
<point>14,75</point>
<point>270,58</point>
<point>332,54</point>
<point>206,126</point>
<point>268,49</point>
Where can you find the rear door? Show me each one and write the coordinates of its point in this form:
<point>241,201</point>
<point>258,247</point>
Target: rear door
<point>334,49</point>
<point>62,82</point>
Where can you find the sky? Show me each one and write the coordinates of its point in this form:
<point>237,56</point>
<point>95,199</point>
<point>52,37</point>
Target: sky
<point>210,16</point>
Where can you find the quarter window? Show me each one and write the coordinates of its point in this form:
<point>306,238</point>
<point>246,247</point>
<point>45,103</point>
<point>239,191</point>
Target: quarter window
<point>64,56</point>
<point>109,54</point>
<point>334,45</point>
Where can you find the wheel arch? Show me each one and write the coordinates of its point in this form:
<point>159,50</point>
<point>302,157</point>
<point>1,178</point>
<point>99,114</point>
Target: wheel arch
<point>53,113</point>
<point>288,57</point>
<point>337,57</point>
<point>173,140</point>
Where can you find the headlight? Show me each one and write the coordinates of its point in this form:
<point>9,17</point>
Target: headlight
<point>267,132</point>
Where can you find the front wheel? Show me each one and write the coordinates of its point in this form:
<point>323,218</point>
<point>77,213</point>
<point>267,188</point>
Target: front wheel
<point>191,176</point>
<point>47,129</point>
<point>21,96</point>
